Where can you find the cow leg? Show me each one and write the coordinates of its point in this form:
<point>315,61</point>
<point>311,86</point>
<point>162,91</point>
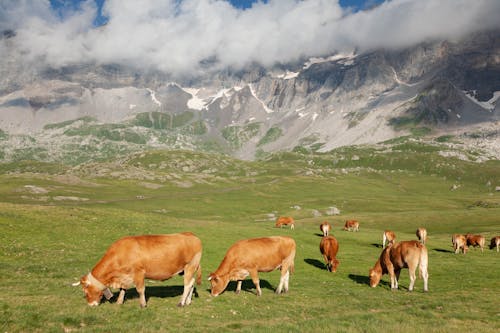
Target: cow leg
<point>238,286</point>
<point>188,290</point>
<point>121,296</point>
<point>255,279</point>
<point>397,273</point>
<point>141,290</point>
<point>283,285</point>
<point>411,271</point>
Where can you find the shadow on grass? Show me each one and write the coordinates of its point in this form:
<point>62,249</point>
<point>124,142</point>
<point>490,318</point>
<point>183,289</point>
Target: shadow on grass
<point>156,291</point>
<point>318,234</point>
<point>364,279</point>
<point>247,286</point>
<point>377,245</point>
<point>316,263</point>
<point>443,251</point>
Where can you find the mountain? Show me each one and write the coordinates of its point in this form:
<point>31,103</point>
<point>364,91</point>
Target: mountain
<point>81,112</point>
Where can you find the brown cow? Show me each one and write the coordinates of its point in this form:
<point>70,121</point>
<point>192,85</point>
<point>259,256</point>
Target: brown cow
<point>475,240</point>
<point>351,225</point>
<point>329,248</point>
<point>421,235</point>
<point>459,243</point>
<point>130,260</point>
<point>325,228</point>
<point>405,254</point>
<point>285,220</point>
<point>389,237</point>
<point>250,256</point>
<point>495,242</point>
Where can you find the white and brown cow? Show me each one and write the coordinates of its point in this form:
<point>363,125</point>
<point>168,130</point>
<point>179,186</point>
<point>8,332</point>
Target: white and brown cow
<point>250,256</point>
<point>285,220</point>
<point>329,248</point>
<point>495,243</point>
<point>405,254</point>
<point>389,236</point>
<point>325,228</point>
<point>475,240</point>
<point>351,225</point>
<point>421,235</point>
<point>459,243</point>
<point>132,259</point>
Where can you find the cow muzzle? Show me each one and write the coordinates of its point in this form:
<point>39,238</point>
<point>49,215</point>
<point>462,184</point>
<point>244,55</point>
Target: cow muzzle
<point>94,303</point>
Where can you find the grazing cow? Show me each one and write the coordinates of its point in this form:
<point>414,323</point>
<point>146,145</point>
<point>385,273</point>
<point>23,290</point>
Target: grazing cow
<point>495,242</point>
<point>405,254</point>
<point>351,225</point>
<point>325,228</point>
<point>329,248</point>
<point>459,243</point>
<point>130,260</point>
<point>475,240</point>
<point>389,237</point>
<point>421,235</point>
<point>250,256</point>
<point>285,220</point>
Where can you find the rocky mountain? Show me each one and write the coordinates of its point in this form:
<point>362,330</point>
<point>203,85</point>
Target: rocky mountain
<point>81,112</point>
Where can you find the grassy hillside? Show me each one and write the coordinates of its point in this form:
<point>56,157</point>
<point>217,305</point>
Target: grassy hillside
<point>57,222</point>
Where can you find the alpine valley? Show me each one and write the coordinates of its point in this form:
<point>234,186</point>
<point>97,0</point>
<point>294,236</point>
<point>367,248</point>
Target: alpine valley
<point>90,112</point>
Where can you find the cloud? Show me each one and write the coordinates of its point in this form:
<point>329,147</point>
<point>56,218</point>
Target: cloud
<point>188,36</point>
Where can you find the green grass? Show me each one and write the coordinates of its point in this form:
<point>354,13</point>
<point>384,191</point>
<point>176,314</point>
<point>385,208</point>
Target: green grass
<point>46,244</point>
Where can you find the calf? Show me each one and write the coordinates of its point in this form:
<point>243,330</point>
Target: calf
<point>389,237</point>
<point>475,240</point>
<point>495,242</point>
<point>351,225</point>
<point>329,248</point>
<point>250,256</point>
<point>405,254</point>
<point>421,235</point>
<point>285,220</point>
<point>130,260</point>
<point>325,228</point>
<point>459,243</point>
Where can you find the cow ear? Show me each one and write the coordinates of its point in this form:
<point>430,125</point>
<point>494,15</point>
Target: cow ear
<point>212,276</point>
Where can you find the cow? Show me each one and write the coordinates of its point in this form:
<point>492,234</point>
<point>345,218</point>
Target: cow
<point>329,248</point>
<point>351,225</point>
<point>475,240</point>
<point>325,228</point>
<point>285,220</point>
<point>132,259</point>
<point>459,243</point>
<point>495,242</point>
<point>389,237</point>
<point>250,256</point>
<point>421,235</point>
<point>405,254</point>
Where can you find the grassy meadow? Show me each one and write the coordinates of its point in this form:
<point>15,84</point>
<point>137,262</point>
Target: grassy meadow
<point>56,224</point>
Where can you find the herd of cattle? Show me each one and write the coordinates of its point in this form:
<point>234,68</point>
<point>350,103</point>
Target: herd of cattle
<point>131,260</point>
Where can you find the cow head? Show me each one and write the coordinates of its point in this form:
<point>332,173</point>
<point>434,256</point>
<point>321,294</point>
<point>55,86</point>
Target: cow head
<point>93,290</point>
<point>218,284</point>
<point>374,277</point>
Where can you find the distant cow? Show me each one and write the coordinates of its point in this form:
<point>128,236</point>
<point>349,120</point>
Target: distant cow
<point>459,243</point>
<point>389,237</point>
<point>495,242</point>
<point>475,240</point>
<point>329,248</point>
<point>351,225</point>
<point>285,220</point>
<point>421,235</point>
<point>325,228</point>
<point>405,254</point>
<point>132,259</point>
<point>250,256</point>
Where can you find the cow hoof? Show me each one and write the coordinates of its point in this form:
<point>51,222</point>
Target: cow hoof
<point>143,306</point>
<point>180,305</point>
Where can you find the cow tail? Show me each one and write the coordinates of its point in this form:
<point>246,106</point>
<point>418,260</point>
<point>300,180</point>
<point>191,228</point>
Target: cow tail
<point>198,275</point>
<point>423,262</point>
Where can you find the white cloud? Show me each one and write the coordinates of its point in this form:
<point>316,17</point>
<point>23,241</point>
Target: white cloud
<point>176,36</point>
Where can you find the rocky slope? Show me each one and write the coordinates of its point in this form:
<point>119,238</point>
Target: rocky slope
<point>87,111</point>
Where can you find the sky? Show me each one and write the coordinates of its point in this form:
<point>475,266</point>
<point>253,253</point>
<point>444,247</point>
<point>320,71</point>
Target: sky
<point>187,37</point>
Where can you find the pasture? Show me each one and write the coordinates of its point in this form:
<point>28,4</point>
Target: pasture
<point>54,229</point>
